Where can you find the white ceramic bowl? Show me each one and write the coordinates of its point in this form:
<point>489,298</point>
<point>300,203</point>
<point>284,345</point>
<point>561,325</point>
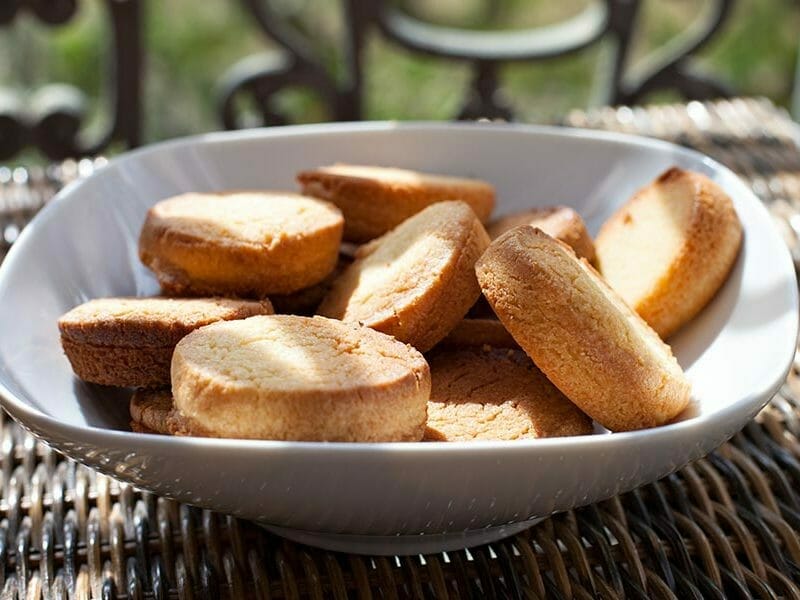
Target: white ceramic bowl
<point>383,498</point>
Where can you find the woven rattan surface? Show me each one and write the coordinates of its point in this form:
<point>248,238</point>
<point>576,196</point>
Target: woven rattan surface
<point>726,526</point>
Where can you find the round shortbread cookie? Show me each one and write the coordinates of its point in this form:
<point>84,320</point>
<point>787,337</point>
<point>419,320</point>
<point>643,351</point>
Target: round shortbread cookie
<point>248,243</point>
<point>138,428</point>
<point>150,410</point>
<point>128,342</point>
<point>477,333</point>
<point>419,281</point>
<point>375,200</point>
<point>285,377</point>
<point>496,395</point>
<point>670,248</point>
<point>559,222</point>
<point>582,336</point>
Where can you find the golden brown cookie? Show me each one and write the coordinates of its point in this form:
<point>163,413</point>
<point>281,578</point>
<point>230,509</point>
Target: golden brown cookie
<point>249,243</point>
<point>496,395</point>
<point>477,333</point>
<point>150,410</point>
<point>285,377</point>
<point>560,222</point>
<point>580,333</point>
<point>375,200</point>
<point>670,248</point>
<point>128,342</point>
<point>138,428</point>
<point>418,282</point>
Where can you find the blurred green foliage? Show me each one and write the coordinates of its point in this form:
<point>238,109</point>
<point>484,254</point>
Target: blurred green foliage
<point>191,44</point>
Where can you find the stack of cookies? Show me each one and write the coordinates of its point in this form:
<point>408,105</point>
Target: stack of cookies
<point>404,313</point>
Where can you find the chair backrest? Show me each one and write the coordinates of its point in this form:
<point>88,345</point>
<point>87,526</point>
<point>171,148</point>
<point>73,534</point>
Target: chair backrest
<point>53,121</point>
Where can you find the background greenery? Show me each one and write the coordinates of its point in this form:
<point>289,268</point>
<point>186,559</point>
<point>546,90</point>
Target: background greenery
<point>190,44</point>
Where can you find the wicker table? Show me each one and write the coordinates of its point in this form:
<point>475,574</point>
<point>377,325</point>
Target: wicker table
<point>726,526</point>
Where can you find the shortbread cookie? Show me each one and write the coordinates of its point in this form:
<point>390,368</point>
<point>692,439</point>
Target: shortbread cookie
<point>375,200</point>
<point>496,395</point>
<point>139,428</point>
<point>150,410</point>
<point>285,377</point>
<point>580,333</point>
<point>560,222</point>
<point>248,244</point>
<point>418,282</point>
<point>670,248</point>
<point>129,341</point>
<point>478,333</point>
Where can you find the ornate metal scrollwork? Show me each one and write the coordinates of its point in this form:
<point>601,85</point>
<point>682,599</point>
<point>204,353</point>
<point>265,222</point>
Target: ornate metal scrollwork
<point>51,118</point>
<point>485,51</point>
<point>52,12</point>
<point>295,65</point>
<point>669,67</point>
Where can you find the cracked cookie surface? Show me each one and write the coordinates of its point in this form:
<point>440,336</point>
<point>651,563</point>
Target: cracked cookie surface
<point>499,394</point>
<point>670,248</point>
<point>559,222</point>
<point>417,281</point>
<point>150,410</point>
<point>374,200</point>
<point>580,333</point>
<point>128,342</point>
<point>286,377</point>
<point>243,243</point>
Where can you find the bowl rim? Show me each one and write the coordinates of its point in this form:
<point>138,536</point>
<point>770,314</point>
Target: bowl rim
<point>34,419</point>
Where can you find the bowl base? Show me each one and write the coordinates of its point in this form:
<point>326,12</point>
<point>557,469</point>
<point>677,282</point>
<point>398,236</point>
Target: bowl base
<point>400,545</point>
